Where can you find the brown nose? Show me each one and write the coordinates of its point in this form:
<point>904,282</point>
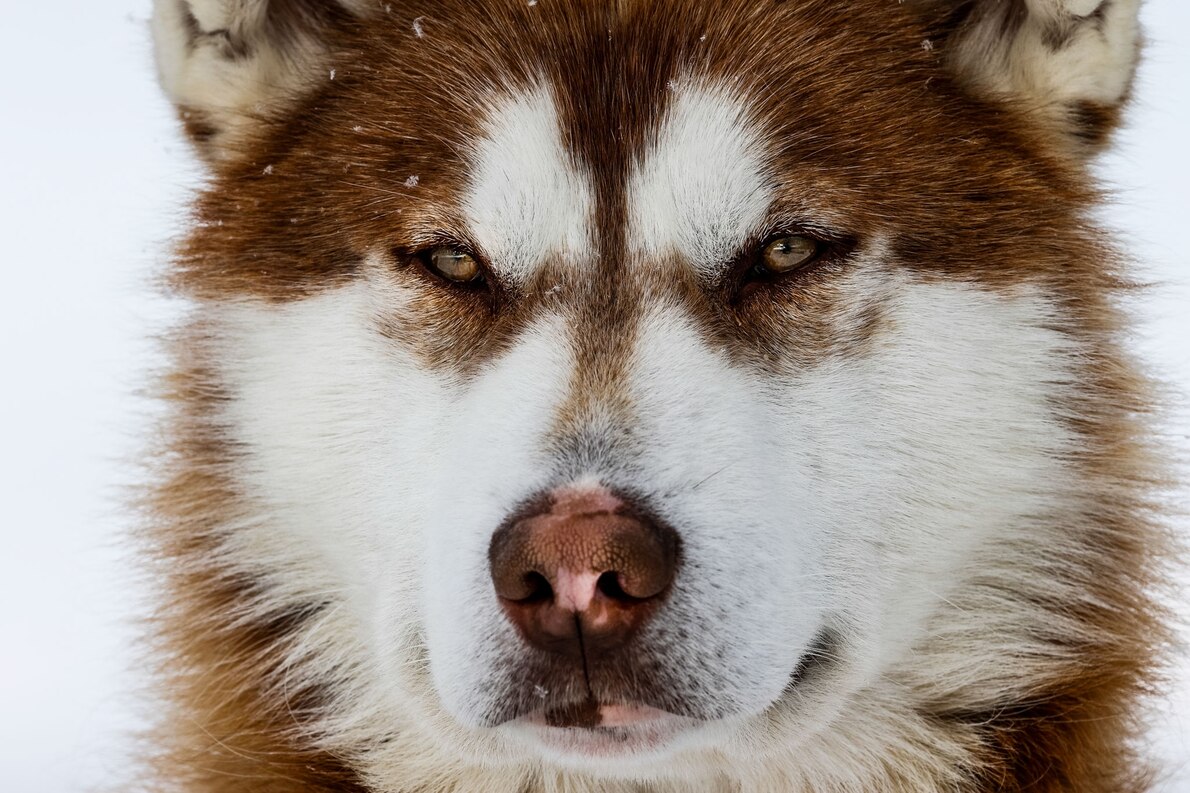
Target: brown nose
<point>580,574</point>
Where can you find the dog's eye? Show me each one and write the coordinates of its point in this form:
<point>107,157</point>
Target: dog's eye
<point>453,265</point>
<point>788,254</point>
<point>784,258</point>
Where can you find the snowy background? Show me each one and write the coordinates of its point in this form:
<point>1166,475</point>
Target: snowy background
<point>93,181</point>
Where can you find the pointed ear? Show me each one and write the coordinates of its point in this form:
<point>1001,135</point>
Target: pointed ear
<point>231,64</point>
<point>1068,63</point>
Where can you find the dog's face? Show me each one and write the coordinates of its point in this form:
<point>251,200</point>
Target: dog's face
<point>624,384</point>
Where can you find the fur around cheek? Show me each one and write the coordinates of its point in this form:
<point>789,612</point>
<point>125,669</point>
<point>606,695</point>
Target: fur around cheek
<point>379,570</point>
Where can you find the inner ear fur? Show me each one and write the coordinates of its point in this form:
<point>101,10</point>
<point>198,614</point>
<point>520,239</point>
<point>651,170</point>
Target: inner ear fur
<point>1068,64</point>
<point>229,65</point>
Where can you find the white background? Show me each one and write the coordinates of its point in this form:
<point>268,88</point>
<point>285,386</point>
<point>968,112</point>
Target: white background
<point>93,182</point>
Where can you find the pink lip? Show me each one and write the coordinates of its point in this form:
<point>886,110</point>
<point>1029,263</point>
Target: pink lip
<point>614,716</point>
<point>630,715</point>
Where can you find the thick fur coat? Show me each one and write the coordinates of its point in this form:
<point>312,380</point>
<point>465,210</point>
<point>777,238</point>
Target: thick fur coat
<point>908,479</point>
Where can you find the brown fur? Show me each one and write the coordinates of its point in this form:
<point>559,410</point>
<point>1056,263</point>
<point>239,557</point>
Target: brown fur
<point>868,119</point>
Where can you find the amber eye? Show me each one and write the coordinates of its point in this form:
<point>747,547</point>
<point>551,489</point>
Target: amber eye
<point>787,254</point>
<point>452,264</point>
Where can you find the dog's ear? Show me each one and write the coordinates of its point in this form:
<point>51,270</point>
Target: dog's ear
<point>229,65</point>
<point>1067,63</point>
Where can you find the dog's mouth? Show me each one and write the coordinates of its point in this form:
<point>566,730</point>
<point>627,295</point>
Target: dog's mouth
<point>592,728</point>
<point>591,715</point>
<point>823,653</point>
<point>596,730</point>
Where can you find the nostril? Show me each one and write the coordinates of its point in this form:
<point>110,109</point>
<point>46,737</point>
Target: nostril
<point>609,586</point>
<point>537,587</point>
<point>578,574</point>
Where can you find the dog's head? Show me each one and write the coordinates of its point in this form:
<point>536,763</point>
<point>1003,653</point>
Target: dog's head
<point>626,383</point>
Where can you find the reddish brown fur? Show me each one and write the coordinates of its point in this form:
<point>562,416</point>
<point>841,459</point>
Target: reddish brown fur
<point>868,119</point>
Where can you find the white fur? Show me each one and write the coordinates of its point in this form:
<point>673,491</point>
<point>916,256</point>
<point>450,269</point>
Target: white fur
<point>861,493</point>
<point>475,486</point>
<point>527,200</point>
<point>701,188</point>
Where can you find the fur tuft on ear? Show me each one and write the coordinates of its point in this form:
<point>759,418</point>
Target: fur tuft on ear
<point>228,64</point>
<point>1068,63</point>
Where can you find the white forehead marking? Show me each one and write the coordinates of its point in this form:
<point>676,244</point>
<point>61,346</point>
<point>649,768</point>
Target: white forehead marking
<point>701,190</point>
<point>526,199</point>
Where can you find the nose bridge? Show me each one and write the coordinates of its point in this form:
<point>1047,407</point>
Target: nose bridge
<point>603,326</point>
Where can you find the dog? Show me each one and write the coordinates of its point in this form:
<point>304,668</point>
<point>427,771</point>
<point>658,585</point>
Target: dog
<point>652,395</point>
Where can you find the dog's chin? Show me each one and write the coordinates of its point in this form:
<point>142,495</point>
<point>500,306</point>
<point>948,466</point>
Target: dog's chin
<point>607,732</point>
<point>586,732</point>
